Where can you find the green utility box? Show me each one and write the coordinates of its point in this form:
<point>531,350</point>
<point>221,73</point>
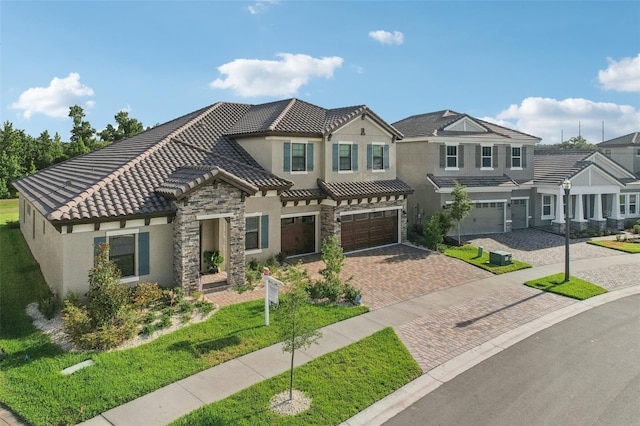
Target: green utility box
<point>500,257</point>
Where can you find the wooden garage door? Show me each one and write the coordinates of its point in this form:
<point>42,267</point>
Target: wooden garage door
<point>298,235</point>
<point>518,214</point>
<point>364,230</point>
<point>485,218</point>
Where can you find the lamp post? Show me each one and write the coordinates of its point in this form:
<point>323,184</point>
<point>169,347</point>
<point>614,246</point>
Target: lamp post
<point>566,185</point>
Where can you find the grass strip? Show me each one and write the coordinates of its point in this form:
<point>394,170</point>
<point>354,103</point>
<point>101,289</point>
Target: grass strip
<point>40,394</point>
<point>8,210</point>
<point>340,384</point>
<point>469,253</point>
<point>624,246</point>
<point>574,288</point>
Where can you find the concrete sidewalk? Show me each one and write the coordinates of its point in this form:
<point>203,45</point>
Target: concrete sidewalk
<point>173,401</point>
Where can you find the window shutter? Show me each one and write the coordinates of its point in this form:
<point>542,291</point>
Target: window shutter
<point>494,154</point>
<point>143,253</point>
<point>443,158</point>
<point>335,157</point>
<point>286,159</point>
<point>96,242</point>
<point>460,156</point>
<point>524,157</point>
<point>264,231</point>
<point>478,156</point>
<point>369,156</point>
<point>508,156</point>
<point>354,157</point>
<point>310,157</point>
<point>386,157</point>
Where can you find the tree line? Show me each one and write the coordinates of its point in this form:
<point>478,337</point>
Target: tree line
<point>22,154</point>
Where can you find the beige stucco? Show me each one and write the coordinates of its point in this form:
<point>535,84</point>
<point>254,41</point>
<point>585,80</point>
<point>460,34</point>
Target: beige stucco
<point>269,205</point>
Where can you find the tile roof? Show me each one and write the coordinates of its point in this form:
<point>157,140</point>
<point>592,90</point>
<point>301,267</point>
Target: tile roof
<point>303,194</point>
<point>552,166</point>
<point>503,181</point>
<point>435,123</point>
<point>142,175</point>
<point>632,139</point>
<point>364,189</point>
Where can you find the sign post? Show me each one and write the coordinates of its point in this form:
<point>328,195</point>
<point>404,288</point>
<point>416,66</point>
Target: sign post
<point>271,292</point>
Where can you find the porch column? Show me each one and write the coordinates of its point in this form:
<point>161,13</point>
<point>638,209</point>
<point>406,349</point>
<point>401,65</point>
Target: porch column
<point>559,209</point>
<point>615,209</point>
<point>597,208</point>
<point>578,215</point>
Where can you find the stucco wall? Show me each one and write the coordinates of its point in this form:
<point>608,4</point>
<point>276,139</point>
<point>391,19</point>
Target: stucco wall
<point>271,206</point>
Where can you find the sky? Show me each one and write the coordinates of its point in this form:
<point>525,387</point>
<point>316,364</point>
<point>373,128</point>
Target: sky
<point>552,69</point>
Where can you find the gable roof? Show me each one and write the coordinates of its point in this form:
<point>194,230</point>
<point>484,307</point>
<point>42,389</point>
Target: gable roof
<point>552,166</point>
<point>436,123</point>
<point>504,181</point>
<point>340,191</point>
<point>632,139</point>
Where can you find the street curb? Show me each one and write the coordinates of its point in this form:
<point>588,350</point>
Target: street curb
<point>403,398</point>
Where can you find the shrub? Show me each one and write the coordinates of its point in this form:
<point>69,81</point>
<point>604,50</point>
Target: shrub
<point>281,258</point>
<point>165,321</point>
<point>253,264</point>
<point>351,293</point>
<point>432,233</point>
<point>252,276</point>
<point>147,329</point>
<point>73,298</point>
<point>107,295</point>
<point>185,307</point>
<point>12,224</point>
<point>196,295</point>
<point>636,227</point>
<point>76,321</point>
<point>146,294</point>
<point>149,318</point>
<point>173,296</point>
<point>204,307</point>
<point>48,305</point>
<point>330,287</point>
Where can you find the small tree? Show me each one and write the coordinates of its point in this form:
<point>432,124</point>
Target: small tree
<point>461,206</point>
<point>331,286</point>
<point>297,329</point>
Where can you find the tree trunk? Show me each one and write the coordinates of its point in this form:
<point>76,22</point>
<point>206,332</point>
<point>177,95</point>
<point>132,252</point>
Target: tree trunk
<point>291,377</point>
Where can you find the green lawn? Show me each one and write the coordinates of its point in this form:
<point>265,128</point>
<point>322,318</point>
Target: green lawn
<point>469,254</point>
<point>36,390</point>
<point>575,287</point>
<point>341,384</point>
<point>617,245</point>
<point>8,210</point>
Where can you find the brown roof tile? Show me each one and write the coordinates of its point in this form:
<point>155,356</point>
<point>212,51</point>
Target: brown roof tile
<point>364,189</point>
<point>503,181</point>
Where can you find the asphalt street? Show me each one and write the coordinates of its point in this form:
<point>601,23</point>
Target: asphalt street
<point>583,371</point>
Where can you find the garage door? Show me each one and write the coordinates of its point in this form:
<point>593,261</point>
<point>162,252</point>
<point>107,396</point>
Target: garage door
<point>364,230</point>
<point>518,214</point>
<point>485,218</point>
<point>298,235</point>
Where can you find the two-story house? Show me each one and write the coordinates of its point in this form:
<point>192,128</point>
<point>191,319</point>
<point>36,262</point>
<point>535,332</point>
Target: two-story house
<point>494,163</point>
<point>250,181</point>
<point>624,150</point>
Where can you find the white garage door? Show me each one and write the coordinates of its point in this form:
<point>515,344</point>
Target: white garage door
<point>485,218</point>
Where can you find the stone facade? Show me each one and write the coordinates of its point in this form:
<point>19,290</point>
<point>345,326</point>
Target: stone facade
<point>218,198</point>
<point>597,225</point>
<point>614,223</point>
<point>329,216</point>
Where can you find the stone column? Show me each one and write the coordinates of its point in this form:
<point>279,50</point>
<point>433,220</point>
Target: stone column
<point>597,221</point>
<point>616,221</point>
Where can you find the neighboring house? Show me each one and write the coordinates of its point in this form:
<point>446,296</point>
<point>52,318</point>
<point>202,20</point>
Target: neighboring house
<point>494,163</point>
<point>603,193</point>
<point>624,150</point>
<point>248,180</point>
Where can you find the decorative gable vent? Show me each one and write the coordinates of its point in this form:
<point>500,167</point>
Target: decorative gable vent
<point>465,124</point>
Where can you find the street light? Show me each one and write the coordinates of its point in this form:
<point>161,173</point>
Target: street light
<point>566,185</point>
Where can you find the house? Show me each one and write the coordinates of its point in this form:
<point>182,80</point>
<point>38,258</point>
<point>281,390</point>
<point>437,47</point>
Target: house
<point>625,150</point>
<point>603,193</point>
<point>250,181</point>
<point>494,163</point>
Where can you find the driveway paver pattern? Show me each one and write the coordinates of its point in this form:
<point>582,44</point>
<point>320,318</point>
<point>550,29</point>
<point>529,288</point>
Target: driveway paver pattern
<point>447,333</point>
<point>538,248</point>
<point>614,277</point>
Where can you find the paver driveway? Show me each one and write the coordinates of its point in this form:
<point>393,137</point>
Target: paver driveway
<point>537,247</point>
<point>385,275</point>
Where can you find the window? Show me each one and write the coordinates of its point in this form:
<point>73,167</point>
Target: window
<point>607,152</point>
<point>377,152</point>
<point>516,157</point>
<point>486,157</point>
<point>623,204</point>
<point>638,152</point>
<point>547,206</point>
<point>452,156</point>
<point>252,233</point>
<point>633,204</point>
<point>122,251</point>
<point>298,157</point>
<point>345,157</point>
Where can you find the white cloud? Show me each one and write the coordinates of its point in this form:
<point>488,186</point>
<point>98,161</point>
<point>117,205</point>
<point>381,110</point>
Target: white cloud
<point>257,77</point>
<point>55,100</point>
<point>548,118</point>
<point>621,76</point>
<point>385,37</point>
<point>260,6</point>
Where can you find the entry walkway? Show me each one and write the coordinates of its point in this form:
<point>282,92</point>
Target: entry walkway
<point>484,316</point>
